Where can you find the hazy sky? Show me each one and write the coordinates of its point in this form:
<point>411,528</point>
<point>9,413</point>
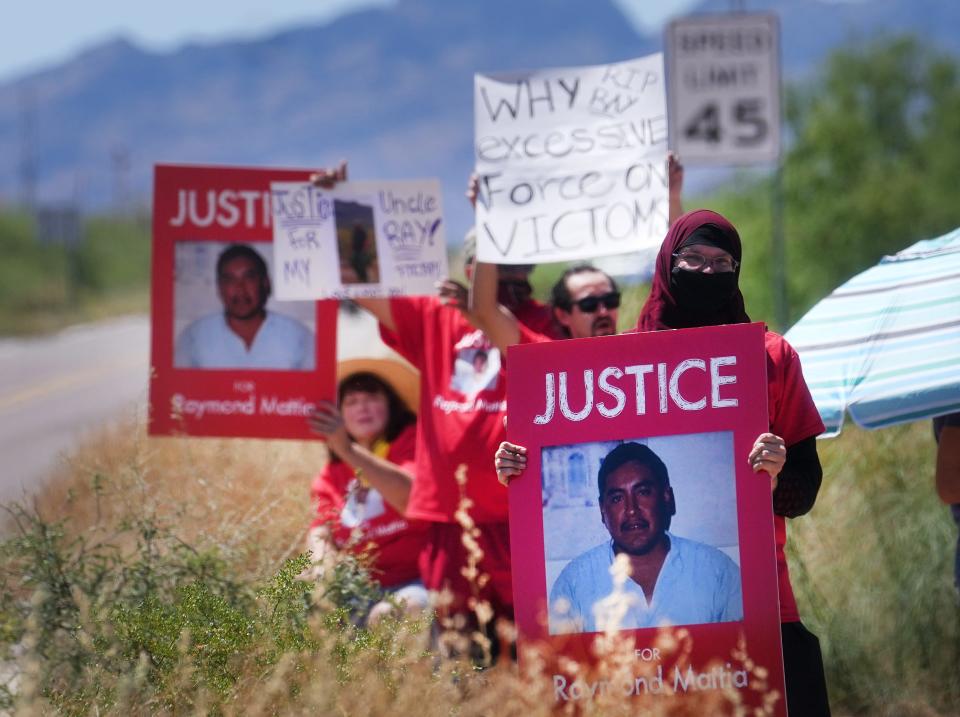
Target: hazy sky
<point>43,32</point>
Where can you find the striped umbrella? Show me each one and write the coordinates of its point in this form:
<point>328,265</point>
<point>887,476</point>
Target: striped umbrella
<point>886,345</point>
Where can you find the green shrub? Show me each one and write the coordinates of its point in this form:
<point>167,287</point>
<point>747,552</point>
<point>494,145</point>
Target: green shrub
<point>47,286</point>
<point>138,603</point>
<point>114,254</point>
<point>873,569</point>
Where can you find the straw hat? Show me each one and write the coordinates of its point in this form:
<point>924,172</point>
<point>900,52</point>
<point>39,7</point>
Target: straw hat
<point>401,376</point>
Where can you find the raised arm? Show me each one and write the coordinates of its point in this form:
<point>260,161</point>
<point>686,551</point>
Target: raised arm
<point>487,314</point>
<point>494,319</point>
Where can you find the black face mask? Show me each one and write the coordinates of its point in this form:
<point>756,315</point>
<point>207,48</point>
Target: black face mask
<point>702,295</point>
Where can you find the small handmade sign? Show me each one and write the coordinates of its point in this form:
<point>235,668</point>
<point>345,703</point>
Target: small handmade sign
<point>358,239</point>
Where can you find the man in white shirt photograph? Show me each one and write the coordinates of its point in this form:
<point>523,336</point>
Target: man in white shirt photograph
<point>245,334</point>
<point>665,579</point>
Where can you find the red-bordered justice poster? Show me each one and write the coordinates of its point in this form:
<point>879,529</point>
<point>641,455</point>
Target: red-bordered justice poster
<point>639,523</point>
<point>227,358</point>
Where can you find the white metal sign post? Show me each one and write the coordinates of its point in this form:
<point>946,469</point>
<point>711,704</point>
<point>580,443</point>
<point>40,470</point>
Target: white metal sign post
<point>724,88</point>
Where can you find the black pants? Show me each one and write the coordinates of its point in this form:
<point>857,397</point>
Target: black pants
<point>803,670</point>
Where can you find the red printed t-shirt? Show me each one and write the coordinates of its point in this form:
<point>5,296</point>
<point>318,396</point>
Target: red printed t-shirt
<point>462,405</point>
<point>395,540</point>
<point>793,417</point>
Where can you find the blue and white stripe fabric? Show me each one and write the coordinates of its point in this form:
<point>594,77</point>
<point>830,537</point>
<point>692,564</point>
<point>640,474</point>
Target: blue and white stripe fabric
<point>886,345</point>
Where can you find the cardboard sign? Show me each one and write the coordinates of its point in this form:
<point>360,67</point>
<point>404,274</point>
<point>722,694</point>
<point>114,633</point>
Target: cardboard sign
<point>637,447</point>
<point>572,162</point>
<point>215,369</point>
<point>359,239</point>
<point>724,73</point>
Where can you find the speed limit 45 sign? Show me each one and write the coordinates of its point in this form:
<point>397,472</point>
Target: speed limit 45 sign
<point>724,88</point>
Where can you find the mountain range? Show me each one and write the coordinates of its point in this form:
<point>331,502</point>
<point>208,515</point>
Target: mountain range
<point>390,89</point>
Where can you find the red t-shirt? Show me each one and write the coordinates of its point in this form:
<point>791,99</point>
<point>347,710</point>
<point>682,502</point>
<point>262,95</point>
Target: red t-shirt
<point>531,336</point>
<point>395,540</point>
<point>793,417</point>
<point>462,405</point>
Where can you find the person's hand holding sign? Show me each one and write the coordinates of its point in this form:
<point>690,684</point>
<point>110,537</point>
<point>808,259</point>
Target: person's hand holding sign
<point>510,461</point>
<point>327,421</point>
<point>328,177</point>
<point>455,295</point>
<point>769,453</point>
<point>473,189</point>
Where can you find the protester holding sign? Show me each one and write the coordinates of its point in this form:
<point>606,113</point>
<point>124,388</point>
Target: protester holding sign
<point>695,284</point>
<point>362,492</point>
<point>460,425</point>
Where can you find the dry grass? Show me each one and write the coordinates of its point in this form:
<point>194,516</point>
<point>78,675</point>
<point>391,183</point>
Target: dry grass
<point>250,498</point>
<point>871,567</point>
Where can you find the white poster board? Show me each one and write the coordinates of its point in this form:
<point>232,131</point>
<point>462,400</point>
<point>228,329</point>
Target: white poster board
<point>724,75</point>
<point>359,239</point>
<point>571,162</point>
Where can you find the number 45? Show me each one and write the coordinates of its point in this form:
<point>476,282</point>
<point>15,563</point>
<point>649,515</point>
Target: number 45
<point>747,118</point>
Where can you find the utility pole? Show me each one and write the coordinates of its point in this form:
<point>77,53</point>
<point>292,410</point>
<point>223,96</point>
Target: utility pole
<point>778,245</point>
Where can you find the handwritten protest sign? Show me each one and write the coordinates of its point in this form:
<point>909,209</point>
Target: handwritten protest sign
<point>360,239</point>
<point>572,162</point>
<point>637,448</point>
<point>227,358</point>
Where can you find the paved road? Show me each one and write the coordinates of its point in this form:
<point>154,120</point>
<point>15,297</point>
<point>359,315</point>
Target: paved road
<point>56,389</point>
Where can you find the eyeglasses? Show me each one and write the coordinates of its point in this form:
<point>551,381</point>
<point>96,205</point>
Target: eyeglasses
<point>589,304</point>
<point>691,261</point>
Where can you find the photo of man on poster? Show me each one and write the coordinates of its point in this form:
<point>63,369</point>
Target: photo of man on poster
<point>244,333</point>
<point>642,575</point>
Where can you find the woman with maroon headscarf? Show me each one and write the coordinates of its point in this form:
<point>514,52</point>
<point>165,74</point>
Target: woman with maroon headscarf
<point>695,283</point>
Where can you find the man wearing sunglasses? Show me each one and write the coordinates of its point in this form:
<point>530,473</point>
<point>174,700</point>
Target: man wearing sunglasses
<point>584,300</point>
